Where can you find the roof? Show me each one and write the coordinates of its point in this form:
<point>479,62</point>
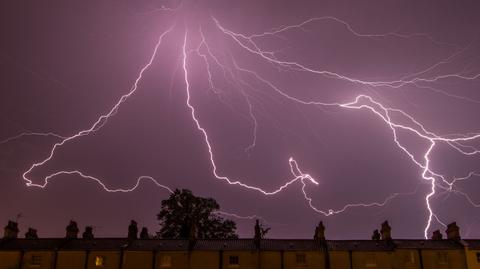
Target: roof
<point>361,245</point>
<point>428,244</point>
<point>158,244</point>
<point>115,244</point>
<point>96,244</point>
<point>225,244</point>
<point>473,243</point>
<point>291,244</point>
<point>31,244</point>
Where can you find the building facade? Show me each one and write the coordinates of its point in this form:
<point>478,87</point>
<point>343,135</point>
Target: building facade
<point>114,253</point>
<point>381,252</point>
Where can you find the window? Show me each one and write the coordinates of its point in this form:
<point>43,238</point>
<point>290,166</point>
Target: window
<point>99,261</point>
<point>233,261</point>
<point>166,261</point>
<point>478,257</point>
<point>300,259</point>
<point>370,261</point>
<point>35,261</point>
<point>442,258</point>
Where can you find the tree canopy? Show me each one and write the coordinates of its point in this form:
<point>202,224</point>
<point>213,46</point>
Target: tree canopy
<point>184,212</point>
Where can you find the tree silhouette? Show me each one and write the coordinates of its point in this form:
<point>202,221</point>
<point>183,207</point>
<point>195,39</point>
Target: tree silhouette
<point>184,212</point>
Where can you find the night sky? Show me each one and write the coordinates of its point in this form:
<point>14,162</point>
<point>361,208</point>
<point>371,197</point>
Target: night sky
<point>376,101</point>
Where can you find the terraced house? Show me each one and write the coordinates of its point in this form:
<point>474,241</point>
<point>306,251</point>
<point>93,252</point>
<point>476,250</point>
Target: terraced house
<point>144,253</point>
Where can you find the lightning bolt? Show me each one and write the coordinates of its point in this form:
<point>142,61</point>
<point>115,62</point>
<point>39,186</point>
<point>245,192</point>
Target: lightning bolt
<point>239,76</point>
<point>209,146</point>
<point>25,134</point>
<point>101,121</point>
<point>384,113</point>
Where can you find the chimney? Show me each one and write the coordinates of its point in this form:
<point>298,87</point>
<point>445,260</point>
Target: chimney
<point>88,233</point>
<point>453,231</point>
<point>11,230</point>
<point>437,235</point>
<point>386,231</point>
<point>132,230</point>
<point>31,234</point>
<point>144,233</point>
<point>376,235</point>
<point>319,232</point>
<point>72,230</point>
<point>258,234</point>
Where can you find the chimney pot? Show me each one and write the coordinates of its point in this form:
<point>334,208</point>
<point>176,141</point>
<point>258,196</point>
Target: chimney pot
<point>88,233</point>
<point>319,232</point>
<point>31,234</point>
<point>11,230</point>
<point>437,235</point>
<point>376,235</point>
<point>386,231</point>
<point>258,234</point>
<point>72,230</point>
<point>453,231</point>
<point>144,233</point>
<point>132,230</point>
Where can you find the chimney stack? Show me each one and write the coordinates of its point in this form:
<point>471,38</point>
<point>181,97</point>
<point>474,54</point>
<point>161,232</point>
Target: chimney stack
<point>386,231</point>
<point>88,233</point>
<point>453,231</point>
<point>376,235</point>
<point>437,235</point>
<point>31,234</point>
<point>258,234</point>
<point>319,232</point>
<point>132,230</point>
<point>11,230</point>
<point>144,233</point>
<point>72,230</point>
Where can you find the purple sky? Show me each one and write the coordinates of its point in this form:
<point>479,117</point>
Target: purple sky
<point>63,64</point>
